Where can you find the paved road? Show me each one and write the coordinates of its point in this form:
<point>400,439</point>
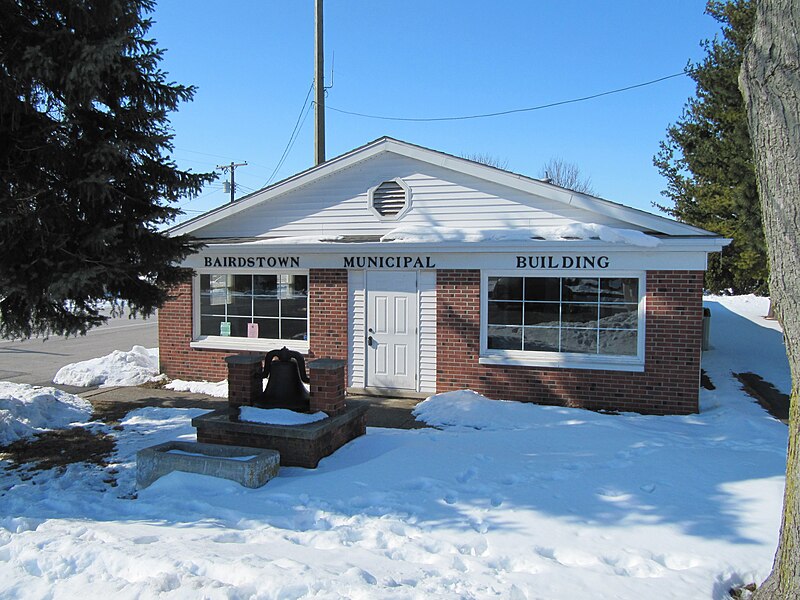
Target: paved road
<point>36,361</point>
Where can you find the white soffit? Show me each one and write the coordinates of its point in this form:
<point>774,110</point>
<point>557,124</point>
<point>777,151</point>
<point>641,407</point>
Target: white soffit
<point>506,178</point>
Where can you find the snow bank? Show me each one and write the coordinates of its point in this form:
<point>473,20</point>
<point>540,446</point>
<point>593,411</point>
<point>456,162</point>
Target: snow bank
<point>218,390</point>
<point>504,501</point>
<point>26,410</point>
<point>278,416</point>
<point>574,231</point>
<point>138,366</point>
<point>465,408</point>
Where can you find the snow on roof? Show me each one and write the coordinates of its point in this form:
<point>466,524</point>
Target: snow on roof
<point>415,234</point>
<point>573,231</point>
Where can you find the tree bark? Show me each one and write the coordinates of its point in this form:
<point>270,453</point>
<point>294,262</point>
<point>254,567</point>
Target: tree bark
<point>770,83</point>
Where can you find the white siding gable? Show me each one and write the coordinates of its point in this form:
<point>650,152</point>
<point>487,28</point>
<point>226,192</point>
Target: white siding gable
<point>440,197</point>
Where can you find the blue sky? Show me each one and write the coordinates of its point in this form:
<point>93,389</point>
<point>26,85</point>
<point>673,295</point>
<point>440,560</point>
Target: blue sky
<point>252,62</point>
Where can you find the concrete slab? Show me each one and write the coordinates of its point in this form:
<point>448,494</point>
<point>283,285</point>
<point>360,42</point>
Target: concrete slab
<point>394,413</point>
<point>251,467</point>
<point>111,404</point>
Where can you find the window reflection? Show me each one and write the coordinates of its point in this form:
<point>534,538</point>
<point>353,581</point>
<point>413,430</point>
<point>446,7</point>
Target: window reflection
<point>580,315</point>
<point>270,306</point>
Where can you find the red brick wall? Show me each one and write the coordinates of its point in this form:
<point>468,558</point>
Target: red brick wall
<point>668,385</point>
<point>327,290</point>
<point>178,360</point>
<point>327,306</point>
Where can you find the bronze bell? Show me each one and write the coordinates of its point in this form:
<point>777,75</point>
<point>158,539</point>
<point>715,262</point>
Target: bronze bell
<point>285,377</point>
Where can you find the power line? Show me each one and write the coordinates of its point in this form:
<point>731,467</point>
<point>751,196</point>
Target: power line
<point>232,168</point>
<point>203,153</point>
<point>244,187</point>
<point>214,188</point>
<point>249,164</point>
<point>290,143</point>
<point>512,111</point>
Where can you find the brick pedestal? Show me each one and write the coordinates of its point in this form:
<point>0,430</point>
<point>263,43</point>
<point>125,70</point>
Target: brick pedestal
<point>298,445</point>
<point>328,383</point>
<point>245,383</point>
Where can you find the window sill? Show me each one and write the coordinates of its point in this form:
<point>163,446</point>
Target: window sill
<point>215,342</point>
<point>564,362</point>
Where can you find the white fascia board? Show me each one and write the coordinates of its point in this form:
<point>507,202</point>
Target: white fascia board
<point>695,244</point>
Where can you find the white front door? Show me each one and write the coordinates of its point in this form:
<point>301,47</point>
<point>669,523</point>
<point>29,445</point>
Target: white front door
<point>392,329</point>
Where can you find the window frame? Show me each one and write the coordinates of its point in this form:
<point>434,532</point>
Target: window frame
<point>220,342</point>
<point>564,360</point>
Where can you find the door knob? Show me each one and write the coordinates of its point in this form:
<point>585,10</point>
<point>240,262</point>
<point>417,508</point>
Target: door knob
<point>369,341</point>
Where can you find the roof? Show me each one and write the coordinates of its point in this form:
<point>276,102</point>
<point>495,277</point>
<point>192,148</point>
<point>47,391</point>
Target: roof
<point>639,219</point>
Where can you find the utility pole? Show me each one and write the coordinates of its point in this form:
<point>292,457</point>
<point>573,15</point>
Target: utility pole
<point>319,85</point>
<point>232,167</point>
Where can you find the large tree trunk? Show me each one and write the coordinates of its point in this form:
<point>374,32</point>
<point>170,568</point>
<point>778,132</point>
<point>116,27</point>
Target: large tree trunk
<point>770,82</point>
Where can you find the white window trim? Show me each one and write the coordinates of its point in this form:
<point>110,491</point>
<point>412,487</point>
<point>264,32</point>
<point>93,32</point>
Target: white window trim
<point>219,342</point>
<point>562,360</point>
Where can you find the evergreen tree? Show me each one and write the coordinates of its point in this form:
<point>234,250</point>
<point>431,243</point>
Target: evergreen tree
<point>85,174</point>
<point>707,158</point>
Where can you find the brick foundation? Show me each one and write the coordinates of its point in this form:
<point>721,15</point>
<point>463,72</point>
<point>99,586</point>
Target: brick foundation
<point>299,445</point>
<point>670,381</point>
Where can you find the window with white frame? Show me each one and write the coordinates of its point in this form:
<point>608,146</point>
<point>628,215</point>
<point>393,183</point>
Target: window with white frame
<point>586,316</point>
<point>271,306</point>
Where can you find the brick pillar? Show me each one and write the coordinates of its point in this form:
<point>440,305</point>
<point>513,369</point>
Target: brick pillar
<point>327,306</point>
<point>327,377</point>
<point>245,382</point>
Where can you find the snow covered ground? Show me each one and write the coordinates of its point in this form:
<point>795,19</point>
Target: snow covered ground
<point>504,501</point>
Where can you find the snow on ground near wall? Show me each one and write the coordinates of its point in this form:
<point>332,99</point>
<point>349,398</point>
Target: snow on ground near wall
<point>504,501</point>
<point>218,390</point>
<point>740,347</point>
<point>135,367</point>
<point>26,410</point>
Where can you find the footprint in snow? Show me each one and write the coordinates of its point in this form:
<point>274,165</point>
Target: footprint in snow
<point>467,475</point>
<point>678,562</point>
<point>146,539</point>
<point>227,538</point>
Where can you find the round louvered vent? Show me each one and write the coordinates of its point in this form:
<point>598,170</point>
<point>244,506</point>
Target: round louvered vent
<point>389,199</point>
